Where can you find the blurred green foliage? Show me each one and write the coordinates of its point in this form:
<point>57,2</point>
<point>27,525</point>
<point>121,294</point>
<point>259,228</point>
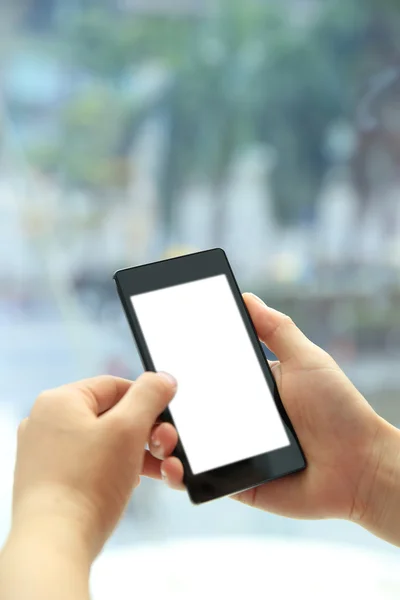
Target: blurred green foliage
<point>247,74</point>
<point>92,125</point>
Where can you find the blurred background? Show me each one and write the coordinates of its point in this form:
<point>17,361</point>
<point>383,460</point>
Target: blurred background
<point>132,130</point>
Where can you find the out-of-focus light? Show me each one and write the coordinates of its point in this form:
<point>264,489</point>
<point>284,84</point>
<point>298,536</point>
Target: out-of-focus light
<point>213,51</point>
<point>194,569</point>
<point>176,251</point>
<point>287,268</point>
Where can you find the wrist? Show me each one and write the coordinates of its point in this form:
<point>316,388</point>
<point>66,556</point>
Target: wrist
<point>51,537</point>
<point>44,558</point>
<point>378,497</point>
<point>53,517</point>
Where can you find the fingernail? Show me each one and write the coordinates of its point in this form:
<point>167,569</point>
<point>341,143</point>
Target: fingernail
<point>163,474</point>
<point>158,450</point>
<point>171,380</point>
<point>155,442</point>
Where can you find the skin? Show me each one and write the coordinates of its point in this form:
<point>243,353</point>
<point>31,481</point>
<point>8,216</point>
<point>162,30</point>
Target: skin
<point>82,449</point>
<point>79,458</point>
<point>350,449</point>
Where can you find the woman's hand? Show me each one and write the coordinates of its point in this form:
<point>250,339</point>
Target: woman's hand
<point>345,441</point>
<point>79,457</point>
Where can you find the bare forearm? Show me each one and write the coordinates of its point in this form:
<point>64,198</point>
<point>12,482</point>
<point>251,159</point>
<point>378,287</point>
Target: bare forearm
<point>37,566</point>
<point>380,491</point>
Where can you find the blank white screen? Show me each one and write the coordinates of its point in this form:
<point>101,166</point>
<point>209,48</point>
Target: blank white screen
<point>224,411</point>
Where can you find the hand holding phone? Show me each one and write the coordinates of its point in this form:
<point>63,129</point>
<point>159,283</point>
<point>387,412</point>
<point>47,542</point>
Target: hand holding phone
<point>188,318</point>
<point>341,435</point>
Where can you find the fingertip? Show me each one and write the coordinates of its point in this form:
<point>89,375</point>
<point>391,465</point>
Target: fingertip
<point>158,387</point>
<point>172,473</point>
<point>163,440</point>
<point>164,383</point>
<point>145,401</point>
<point>276,330</point>
<point>170,379</point>
<point>250,297</point>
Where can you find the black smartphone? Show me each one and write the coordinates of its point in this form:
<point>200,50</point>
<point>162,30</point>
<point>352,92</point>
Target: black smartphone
<point>189,319</point>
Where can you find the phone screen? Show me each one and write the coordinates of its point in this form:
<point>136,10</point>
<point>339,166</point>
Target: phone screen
<point>224,410</point>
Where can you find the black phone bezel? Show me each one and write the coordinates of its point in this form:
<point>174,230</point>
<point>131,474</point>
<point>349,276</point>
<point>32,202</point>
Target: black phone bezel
<point>248,473</point>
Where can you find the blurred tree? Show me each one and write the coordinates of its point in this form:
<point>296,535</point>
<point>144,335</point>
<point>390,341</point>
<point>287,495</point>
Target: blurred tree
<point>83,154</point>
<point>313,78</point>
<point>109,43</point>
<point>39,14</point>
<point>210,106</point>
<point>300,97</point>
<point>251,75</point>
<point>362,37</point>
<point>102,116</point>
<point>245,74</point>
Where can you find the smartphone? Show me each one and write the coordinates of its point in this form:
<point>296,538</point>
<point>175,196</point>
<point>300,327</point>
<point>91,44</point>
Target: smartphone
<point>189,319</point>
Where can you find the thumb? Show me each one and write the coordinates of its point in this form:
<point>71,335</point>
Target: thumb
<point>146,399</point>
<point>278,331</point>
